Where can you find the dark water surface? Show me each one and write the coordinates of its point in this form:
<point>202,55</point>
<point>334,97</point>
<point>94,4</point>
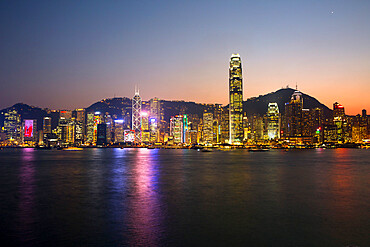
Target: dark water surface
<point>141,197</point>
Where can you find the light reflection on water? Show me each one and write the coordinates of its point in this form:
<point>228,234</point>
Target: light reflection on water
<point>144,207</point>
<point>26,204</point>
<point>144,197</point>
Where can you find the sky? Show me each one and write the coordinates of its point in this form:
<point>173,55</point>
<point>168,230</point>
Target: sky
<point>70,54</point>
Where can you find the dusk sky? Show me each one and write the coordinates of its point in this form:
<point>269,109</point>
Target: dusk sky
<point>70,54</point>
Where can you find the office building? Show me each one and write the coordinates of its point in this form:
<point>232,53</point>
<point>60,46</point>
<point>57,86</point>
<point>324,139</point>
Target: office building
<point>12,125</point>
<point>273,121</point>
<point>207,127</point>
<point>136,116</point>
<point>293,115</point>
<point>177,129</point>
<point>236,99</point>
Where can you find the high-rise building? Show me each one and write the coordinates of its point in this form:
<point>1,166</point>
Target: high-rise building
<point>97,120</point>
<point>154,132</point>
<point>101,134</point>
<point>177,129</point>
<point>208,127</point>
<point>29,131</point>
<point>340,121</point>
<point>186,133</point>
<point>156,120</point>
<point>318,124</point>
<point>136,116</point>
<point>66,114</point>
<point>273,121</point>
<point>307,123</point>
<point>118,130</point>
<point>225,126</point>
<point>360,128</point>
<point>293,115</point>
<point>90,128</point>
<point>12,125</point>
<point>338,110</point>
<point>257,128</point>
<point>145,133</point>
<point>47,125</point>
<point>80,119</point>
<point>155,108</point>
<point>62,130</point>
<point>236,99</point>
<point>78,131</point>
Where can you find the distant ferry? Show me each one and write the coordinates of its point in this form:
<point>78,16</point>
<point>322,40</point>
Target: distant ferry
<point>72,149</point>
<point>258,150</point>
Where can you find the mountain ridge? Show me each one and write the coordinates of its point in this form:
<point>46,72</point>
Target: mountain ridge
<point>115,106</point>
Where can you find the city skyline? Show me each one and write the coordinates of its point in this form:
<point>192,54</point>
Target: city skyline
<point>67,56</point>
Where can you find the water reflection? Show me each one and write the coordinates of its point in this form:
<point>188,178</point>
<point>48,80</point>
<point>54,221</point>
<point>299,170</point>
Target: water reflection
<point>117,180</point>
<point>344,208</point>
<point>27,216</point>
<point>144,206</point>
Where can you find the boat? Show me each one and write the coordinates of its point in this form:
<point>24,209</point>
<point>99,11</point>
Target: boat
<point>43,148</point>
<point>72,149</point>
<point>258,150</point>
<point>206,150</point>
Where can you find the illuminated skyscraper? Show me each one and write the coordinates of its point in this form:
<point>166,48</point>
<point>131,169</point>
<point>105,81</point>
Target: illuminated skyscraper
<point>118,130</point>
<point>293,115</point>
<point>225,128</point>
<point>145,133</point>
<point>136,116</point>
<point>177,129</point>
<point>12,125</point>
<point>47,125</point>
<point>29,130</point>
<point>156,120</point>
<point>90,128</point>
<point>236,99</point>
<point>340,121</point>
<point>318,124</point>
<point>97,120</point>
<point>273,121</point>
<point>80,118</point>
<point>208,127</point>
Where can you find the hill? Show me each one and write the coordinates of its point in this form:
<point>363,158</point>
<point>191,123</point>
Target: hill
<point>115,106</point>
<point>258,105</point>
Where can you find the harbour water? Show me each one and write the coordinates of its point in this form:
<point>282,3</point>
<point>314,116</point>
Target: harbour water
<point>155,197</point>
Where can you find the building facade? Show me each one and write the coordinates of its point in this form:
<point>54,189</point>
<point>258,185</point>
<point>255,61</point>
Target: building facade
<point>236,100</point>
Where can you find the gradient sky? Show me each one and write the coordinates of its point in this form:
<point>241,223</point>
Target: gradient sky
<point>69,54</point>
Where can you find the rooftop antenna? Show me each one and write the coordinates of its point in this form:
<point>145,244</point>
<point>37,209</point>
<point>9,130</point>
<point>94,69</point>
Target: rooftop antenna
<point>136,89</point>
<point>296,86</point>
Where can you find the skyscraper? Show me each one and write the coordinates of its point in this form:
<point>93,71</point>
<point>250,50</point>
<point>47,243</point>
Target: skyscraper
<point>156,117</point>
<point>145,133</point>
<point>293,115</point>
<point>12,125</point>
<point>177,129</point>
<point>208,127</point>
<point>47,125</point>
<point>236,99</point>
<point>136,116</point>
<point>273,121</point>
<point>340,121</point>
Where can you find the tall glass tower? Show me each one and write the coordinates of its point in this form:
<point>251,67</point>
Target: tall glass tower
<point>136,116</point>
<point>236,99</point>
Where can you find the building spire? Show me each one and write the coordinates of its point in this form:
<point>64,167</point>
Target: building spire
<point>137,90</point>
